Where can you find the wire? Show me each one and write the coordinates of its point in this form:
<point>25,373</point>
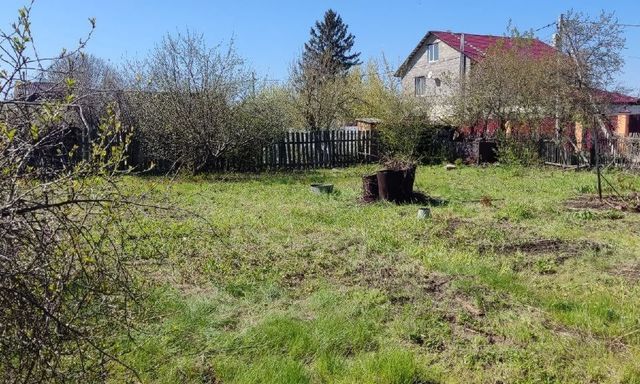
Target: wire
<point>545,26</point>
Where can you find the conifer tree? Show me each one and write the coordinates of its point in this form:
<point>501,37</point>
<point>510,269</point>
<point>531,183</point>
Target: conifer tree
<point>319,77</point>
<point>330,45</point>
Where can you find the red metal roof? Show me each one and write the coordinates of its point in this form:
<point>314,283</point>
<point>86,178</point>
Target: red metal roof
<point>476,46</point>
<point>616,97</point>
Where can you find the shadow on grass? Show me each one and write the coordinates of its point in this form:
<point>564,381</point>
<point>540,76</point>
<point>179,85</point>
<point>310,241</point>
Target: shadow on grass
<point>421,198</point>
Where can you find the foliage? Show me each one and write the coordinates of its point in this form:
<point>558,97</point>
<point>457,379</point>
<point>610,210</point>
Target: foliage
<point>193,104</point>
<point>404,120</point>
<point>94,82</point>
<point>520,151</point>
<point>64,284</point>
<point>320,98</point>
<point>595,45</point>
<point>402,137</point>
<point>513,85</point>
<point>319,77</point>
<point>595,49</point>
<point>377,93</point>
<point>329,47</point>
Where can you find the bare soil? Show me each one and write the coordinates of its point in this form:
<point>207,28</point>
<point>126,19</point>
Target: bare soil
<point>627,203</point>
<point>629,272</point>
<point>544,246</point>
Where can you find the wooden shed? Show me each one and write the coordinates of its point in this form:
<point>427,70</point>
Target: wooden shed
<point>367,123</point>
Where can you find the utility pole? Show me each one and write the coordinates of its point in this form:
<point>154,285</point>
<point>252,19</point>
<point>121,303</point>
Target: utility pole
<point>463,63</point>
<point>597,153</point>
<point>558,44</point>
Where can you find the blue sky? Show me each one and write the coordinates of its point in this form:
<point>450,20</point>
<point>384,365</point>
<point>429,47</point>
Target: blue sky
<point>270,34</point>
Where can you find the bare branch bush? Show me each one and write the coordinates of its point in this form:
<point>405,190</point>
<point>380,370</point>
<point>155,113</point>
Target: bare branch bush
<point>94,82</point>
<point>513,84</point>
<point>595,47</point>
<point>193,104</point>
<point>64,281</point>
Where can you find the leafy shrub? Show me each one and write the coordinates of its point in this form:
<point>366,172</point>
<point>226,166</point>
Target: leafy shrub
<point>521,151</point>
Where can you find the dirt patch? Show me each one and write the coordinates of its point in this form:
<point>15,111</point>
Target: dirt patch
<point>544,246</point>
<point>626,203</point>
<point>629,272</point>
<point>451,226</point>
<point>293,279</point>
<point>403,281</point>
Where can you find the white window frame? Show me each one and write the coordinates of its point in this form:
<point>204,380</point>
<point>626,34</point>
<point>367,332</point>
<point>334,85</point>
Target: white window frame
<point>433,52</point>
<point>422,90</point>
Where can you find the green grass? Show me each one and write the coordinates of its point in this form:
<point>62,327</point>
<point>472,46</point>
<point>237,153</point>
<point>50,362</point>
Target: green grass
<point>256,280</point>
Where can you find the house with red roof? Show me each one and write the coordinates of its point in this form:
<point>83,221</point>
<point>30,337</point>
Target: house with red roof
<point>442,57</point>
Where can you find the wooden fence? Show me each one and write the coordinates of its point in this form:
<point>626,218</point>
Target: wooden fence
<point>621,152</point>
<point>306,150</point>
<point>559,154</point>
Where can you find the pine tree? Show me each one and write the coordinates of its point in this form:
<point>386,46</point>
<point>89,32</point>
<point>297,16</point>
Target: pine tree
<point>319,77</point>
<point>329,47</point>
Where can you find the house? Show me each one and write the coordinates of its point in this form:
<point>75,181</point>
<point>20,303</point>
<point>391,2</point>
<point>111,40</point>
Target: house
<point>447,55</point>
<point>441,58</point>
<point>31,91</point>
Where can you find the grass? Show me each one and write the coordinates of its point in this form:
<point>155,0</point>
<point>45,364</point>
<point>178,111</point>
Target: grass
<point>268,283</point>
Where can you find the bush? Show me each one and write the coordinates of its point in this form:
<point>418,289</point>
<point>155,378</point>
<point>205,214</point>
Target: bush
<point>193,105</point>
<point>518,151</point>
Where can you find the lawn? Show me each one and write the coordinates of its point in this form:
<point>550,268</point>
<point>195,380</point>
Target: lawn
<point>256,280</point>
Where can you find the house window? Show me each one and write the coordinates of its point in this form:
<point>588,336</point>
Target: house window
<point>432,52</point>
<point>421,86</point>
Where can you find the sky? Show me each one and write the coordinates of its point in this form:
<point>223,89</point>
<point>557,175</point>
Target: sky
<point>270,35</point>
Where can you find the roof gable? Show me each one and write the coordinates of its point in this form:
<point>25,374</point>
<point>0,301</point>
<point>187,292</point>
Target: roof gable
<point>475,46</point>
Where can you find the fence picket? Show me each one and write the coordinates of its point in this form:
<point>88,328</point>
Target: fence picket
<point>309,149</point>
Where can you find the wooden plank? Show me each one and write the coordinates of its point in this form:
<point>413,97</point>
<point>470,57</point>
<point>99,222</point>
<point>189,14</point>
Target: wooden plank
<point>332,149</point>
<point>338,154</point>
<point>329,148</point>
<point>308,148</point>
<point>303,149</point>
<point>347,155</point>
<point>341,141</point>
<point>288,152</point>
<point>311,153</point>
<point>320,148</point>
<point>324,146</point>
<point>292,150</point>
<point>359,145</point>
<point>314,148</point>
<point>299,149</point>
<point>352,146</point>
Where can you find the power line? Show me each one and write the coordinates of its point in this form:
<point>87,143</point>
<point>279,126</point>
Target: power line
<point>553,23</point>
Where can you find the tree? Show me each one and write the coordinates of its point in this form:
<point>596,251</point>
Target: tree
<point>595,47</point>
<point>64,282</point>
<point>329,47</point>
<point>403,119</point>
<point>514,86</point>
<point>95,82</point>
<point>319,77</point>
<point>191,102</point>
